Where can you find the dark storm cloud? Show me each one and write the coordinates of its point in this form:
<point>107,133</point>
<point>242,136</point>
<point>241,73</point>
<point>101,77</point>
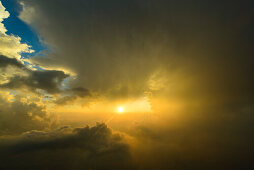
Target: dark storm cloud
<point>115,46</point>
<point>5,61</point>
<point>48,80</point>
<point>82,148</point>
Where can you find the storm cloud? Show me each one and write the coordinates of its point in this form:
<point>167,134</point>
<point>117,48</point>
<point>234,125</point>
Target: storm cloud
<point>94,147</point>
<point>115,47</point>
<point>48,80</point>
<point>5,61</point>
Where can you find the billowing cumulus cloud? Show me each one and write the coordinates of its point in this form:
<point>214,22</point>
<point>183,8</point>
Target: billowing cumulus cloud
<point>3,14</point>
<point>22,106</point>
<point>20,113</point>
<point>94,147</point>
<point>10,45</point>
<point>23,109</point>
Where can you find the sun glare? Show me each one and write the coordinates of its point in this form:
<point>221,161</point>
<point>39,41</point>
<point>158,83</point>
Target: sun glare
<point>120,109</point>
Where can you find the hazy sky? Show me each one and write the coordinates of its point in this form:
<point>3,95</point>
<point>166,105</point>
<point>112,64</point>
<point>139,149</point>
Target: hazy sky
<point>169,81</point>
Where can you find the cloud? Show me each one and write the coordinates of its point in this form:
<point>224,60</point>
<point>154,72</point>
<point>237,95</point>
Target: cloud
<point>115,48</point>
<point>10,45</point>
<point>5,61</point>
<point>48,80</point>
<point>94,147</point>
<point>3,14</point>
<point>72,95</point>
<point>20,113</point>
<point>194,145</point>
<point>192,60</point>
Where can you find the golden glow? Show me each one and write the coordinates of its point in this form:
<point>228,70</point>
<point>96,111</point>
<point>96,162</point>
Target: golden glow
<point>103,109</point>
<point>120,109</point>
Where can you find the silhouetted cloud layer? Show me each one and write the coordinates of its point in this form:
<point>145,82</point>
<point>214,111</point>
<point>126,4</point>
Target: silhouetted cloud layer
<point>81,148</point>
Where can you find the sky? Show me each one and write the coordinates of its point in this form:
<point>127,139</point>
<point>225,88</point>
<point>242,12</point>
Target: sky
<point>131,84</point>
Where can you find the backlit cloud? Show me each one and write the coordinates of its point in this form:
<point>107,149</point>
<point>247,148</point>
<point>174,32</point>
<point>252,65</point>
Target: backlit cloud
<point>94,147</point>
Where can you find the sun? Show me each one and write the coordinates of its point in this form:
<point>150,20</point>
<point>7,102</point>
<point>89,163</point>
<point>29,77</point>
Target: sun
<point>120,109</point>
